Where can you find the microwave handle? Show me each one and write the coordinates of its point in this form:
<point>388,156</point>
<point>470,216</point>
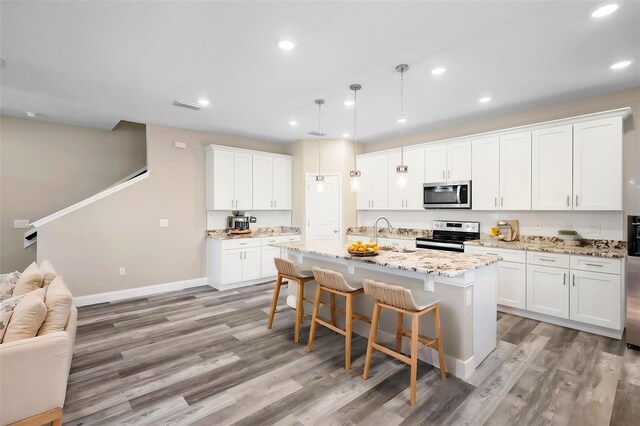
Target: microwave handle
<point>458,194</point>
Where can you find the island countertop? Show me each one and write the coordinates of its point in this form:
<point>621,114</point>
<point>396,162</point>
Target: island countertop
<point>436,262</point>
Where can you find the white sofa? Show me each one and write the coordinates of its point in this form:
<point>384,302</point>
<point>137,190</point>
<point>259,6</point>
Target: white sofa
<point>33,376</point>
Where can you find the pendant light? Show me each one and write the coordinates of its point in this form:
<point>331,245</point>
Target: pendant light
<point>355,173</point>
<point>319,176</point>
<point>402,170</point>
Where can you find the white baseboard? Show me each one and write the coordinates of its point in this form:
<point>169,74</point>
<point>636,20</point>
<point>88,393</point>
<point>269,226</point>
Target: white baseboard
<point>240,284</point>
<point>129,293</point>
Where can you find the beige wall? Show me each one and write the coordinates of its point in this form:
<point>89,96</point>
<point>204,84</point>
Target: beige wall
<point>46,167</point>
<point>89,245</point>
<point>337,157</point>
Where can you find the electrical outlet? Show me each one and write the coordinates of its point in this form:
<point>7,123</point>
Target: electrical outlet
<point>123,271</point>
<point>164,223</point>
<point>593,228</point>
<point>469,297</point>
<point>21,223</point>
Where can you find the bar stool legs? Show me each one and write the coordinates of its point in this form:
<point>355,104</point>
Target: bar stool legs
<point>375,318</point>
<point>299,311</point>
<point>274,301</point>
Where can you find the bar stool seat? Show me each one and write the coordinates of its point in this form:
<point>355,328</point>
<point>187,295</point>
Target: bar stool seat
<point>334,283</point>
<point>400,300</point>
<point>288,270</point>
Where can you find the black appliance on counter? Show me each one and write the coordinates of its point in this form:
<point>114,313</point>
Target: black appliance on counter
<point>450,235</point>
<point>239,222</point>
<point>633,282</point>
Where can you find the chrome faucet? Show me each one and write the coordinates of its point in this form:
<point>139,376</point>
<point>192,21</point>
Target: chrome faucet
<point>375,228</point>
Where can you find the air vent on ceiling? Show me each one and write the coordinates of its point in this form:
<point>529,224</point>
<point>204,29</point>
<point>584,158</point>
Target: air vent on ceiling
<point>316,134</point>
<point>188,105</point>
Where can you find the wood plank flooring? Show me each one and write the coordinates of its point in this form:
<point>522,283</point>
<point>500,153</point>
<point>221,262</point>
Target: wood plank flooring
<point>204,357</point>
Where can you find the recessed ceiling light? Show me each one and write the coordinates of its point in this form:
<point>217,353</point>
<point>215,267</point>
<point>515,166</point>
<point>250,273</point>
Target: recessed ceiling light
<point>204,102</point>
<point>293,123</point>
<point>484,100</point>
<point>346,135</point>
<point>605,10</point>
<point>402,120</point>
<point>438,71</point>
<point>620,65</point>
<point>286,44</point>
<point>31,114</point>
<point>349,103</point>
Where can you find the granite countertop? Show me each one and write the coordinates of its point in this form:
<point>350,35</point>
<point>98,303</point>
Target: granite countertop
<point>397,233</point>
<point>614,249</point>
<point>271,231</point>
<point>437,262</point>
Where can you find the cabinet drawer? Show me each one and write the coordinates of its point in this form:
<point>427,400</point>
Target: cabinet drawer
<point>241,243</point>
<point>596,264</point>
<point>548,259</point>
<point>508,255</point>
<point>279,239</point>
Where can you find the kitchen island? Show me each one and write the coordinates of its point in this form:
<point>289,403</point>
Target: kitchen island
<point>464,285</point>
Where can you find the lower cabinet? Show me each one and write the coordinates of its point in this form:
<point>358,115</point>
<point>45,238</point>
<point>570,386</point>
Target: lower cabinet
<point>548,290</point>
<point>268,267</point>
<point>596,298</point>
<point>512,282</point>
<point>251,264</point>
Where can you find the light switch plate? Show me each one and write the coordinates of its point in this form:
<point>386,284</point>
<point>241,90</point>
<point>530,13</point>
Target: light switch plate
<point>164,223</point>
<point>21,223</point>
<point>123,271</point>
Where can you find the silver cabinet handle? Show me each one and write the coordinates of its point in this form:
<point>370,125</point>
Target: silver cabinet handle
<point>275,203</point>
<point>448,174</point>
<point>243,244</point>
<point>492,254</point>
<point>546,259</point>
<point>568,201</point>
<point>495,201</point>
<point>594,264</point>
<point>501,201</point>
<point>240,255</point>
<point>564,278</point>
<point>576,200</point>
<point>443,174</point>
<point>573,280</point>
<point>372,203</point>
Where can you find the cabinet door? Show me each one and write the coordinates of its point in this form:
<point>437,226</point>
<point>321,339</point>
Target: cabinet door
<point>597,165</point>
<point>379,183</point>
<point>242,181</point>
<point>232,265</point>
<point>485,174</point>
<point>435,163</point>
<point>414,159</point>
<point>252,263</point>
<point>551,168</point>
<point>512,282</point>
<point>223,198</point>
<point>459,161</point>
<point>595,299</point>
<point>397,195</point>
<point>364,195</point>
<point>515,171</point>
<point>268,266</point>
<point>262,182</point>
<point>548,290</point>
<point>281,183</point>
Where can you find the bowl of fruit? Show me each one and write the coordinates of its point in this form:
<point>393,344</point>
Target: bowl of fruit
<point>361,250</point>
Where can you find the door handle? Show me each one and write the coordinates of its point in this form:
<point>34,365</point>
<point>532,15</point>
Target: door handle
<point>240,255</point>
<point>568,201</point>
<point>443,174</point>
<point>564,278</point>
<point>573,280</point>
<point>576,200</point>
<point>448,174</point>
<point>495,201</point>
<point>501,201</point>
<point>275,203</point>
<point>458,193</point>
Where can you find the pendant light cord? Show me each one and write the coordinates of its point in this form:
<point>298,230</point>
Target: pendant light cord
<point>319,139</point>
<point>355,129</point>
<point>401,116</point>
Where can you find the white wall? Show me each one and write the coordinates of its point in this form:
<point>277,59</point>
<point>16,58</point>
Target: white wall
<point>530,223</point>
<point>218,219</point>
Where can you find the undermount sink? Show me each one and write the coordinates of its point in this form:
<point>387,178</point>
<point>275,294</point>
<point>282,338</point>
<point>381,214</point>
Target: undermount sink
<point>396,249</point>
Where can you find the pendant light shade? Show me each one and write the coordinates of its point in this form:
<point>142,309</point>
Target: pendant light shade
<point>355,174</point>
<point>319,176</point>
<point>402,170</point>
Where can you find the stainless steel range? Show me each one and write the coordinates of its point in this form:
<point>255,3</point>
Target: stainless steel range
<point>450,235</point>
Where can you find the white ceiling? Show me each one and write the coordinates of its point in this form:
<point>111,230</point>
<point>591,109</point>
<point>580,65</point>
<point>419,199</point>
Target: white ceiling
<point>94,63</point>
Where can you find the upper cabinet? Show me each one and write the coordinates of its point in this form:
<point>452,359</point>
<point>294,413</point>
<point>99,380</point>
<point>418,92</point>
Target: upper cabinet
<point>373,183</point>
<point>448,162</point>
<point>246,180</point>
<point>552,168</point>
<point>515,171</point>
<point>408,197</point>
<point>597,164</point>
<point>485,176</point>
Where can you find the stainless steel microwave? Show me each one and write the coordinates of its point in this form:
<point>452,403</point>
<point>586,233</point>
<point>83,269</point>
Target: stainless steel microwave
<point>447,195</point>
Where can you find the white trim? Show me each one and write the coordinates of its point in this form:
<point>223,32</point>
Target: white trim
<point>619,112</point>
<point>129,293</point>
<point>306,199</point>
<point>90,200</point>
<point>129,177</point>
<point>240,284</point>
<point>594,329</point>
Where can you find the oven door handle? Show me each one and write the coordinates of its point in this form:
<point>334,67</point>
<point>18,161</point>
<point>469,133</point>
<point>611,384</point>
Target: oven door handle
<point>421,244</point>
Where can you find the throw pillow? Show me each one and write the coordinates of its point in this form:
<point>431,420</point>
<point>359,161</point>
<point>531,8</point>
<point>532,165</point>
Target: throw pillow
<point>6,311</point>
<point>58,300</point>
<point>31,279</point>
<point>8,284</point>
<point>27,317</point>
<point>48,272</point>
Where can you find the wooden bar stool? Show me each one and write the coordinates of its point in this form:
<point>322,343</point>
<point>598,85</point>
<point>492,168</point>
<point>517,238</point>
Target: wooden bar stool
<point>288,270</point>
<point>334,283</point>
<point>400,300</point>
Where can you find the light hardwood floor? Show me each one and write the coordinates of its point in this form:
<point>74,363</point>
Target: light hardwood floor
<point>200,356</point>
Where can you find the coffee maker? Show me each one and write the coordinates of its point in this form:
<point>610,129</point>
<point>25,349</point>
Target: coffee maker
<point>239,222</point>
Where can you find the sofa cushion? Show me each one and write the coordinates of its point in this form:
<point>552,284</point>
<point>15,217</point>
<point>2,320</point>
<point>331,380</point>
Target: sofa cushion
<point>58,300</point>
<point>27,317</point>
<point>6,311</point>
<point>31,279</point>
<point>8,284</point>
<point>48,272</point>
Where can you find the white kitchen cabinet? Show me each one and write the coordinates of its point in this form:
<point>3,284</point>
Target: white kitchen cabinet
<point>551,168</point>
<point>271,182</point>
<point>435,163</point>
<point>515,171</point>
<point>373,182</point>
<point>595,299</point>
<point>252,264</point>
<point>458,161</point>
<point>597,164</point>
<point>242,180</point>
<point>232,261</point>
<point>548,290</point>
<point>229,180</point>
<point>485,176</point>
<point>512,282</point>
<point>410,196</point>
<point>269,253</point>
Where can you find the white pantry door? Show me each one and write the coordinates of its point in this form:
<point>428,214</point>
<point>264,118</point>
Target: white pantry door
<point>323,208</point>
